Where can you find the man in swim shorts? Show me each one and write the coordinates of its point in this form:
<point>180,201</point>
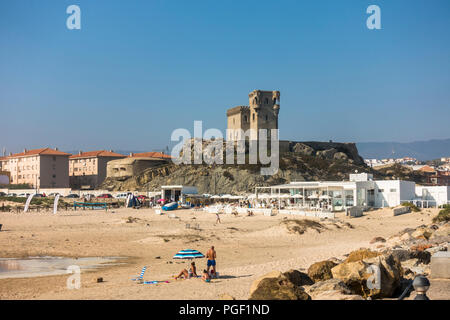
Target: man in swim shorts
<point>211,256</point>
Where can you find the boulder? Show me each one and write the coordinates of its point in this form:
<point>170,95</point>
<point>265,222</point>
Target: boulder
<point>401,254</point>
<point>378,239</point>
<point>272,274</point>
<point>340,156</point>
<point>422,256</point>
<point>326,154</point>
<point>303,149</point>
<point>443,231</point>
<point>422,233</point>
<point>276,286</point>
<point>406,236</point>
<point>328,285</point>
<point>360,254</point>
<point>355,274</point>
<point>320,271</point>
<point>298,278</point>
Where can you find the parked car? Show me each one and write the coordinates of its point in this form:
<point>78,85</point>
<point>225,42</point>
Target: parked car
<point>11,195</point>
<point>121,196</point>
<point>53,194</point>
<point>72,196</point>
<point>105,196</point>
<point>23,195</point>
<point>2,194</point>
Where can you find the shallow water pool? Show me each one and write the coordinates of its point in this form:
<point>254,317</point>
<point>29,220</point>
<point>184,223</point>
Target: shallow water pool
<point>48,266</point>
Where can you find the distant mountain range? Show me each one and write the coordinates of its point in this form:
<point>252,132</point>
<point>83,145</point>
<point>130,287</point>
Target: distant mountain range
<point>421,150</point>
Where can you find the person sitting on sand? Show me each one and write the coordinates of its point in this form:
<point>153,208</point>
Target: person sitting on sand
<point>187,274</point>
<point>206,277</point>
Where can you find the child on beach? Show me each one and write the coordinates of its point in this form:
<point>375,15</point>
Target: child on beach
<point>206,277</point>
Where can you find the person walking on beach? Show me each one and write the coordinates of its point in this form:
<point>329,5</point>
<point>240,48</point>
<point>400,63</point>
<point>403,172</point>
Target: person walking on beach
<point>218,218</point>
<point>211,256</point>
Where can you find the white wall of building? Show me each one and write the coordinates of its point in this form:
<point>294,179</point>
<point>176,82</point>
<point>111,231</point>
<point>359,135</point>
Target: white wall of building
<point>440,194</point>
<point>390,193</point>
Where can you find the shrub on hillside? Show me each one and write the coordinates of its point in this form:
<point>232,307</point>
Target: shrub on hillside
<point>443,216</point>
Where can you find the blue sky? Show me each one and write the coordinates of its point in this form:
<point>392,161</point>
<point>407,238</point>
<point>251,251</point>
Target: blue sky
<point>137,70</point>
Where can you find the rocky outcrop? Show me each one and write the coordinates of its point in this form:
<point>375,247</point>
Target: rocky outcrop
<point>303,161</point>
<point>321,271</point>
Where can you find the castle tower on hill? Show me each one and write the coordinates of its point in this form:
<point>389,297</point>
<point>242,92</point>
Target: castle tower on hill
<point>262,113</point>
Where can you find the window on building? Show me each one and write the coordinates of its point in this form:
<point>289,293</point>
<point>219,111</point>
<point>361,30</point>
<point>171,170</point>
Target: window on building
<point>253,117</point>
<point>267,117</point>
<point>54,176</point>
<point>245,119</point>
<point>54,158</point>
<point>393,190</point>
<point>266,101</point>
<point>380,190</point>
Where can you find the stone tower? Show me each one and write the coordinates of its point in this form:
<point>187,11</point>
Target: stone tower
<point>262,113</point>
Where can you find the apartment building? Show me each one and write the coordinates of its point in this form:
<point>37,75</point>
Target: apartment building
<point>87,170</point>
<point>39,168</point>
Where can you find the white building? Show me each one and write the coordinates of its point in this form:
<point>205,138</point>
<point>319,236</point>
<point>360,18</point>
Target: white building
<point>361,191</point>
<point>177,192</point>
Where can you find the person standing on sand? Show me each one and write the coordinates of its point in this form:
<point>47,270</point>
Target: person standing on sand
<point>211,256</point>
<point>218,218</point>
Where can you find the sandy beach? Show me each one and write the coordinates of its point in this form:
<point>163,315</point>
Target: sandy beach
<point>247,247</point>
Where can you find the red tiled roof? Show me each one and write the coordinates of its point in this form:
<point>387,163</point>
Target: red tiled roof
<point>41,151</point>
<point>150,155</point>
<point>427,169</point>
<point>95,154</point>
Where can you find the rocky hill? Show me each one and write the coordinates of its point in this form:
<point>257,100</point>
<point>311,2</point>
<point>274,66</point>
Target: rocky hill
<point>309,161</point>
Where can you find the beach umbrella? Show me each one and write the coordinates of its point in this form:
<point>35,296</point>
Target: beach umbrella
<point>313,196</point>
<point>297,196</point>
<point>325,196</point>
<point>188,254</point>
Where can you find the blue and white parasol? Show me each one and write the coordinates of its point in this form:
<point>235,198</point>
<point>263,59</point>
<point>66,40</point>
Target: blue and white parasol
<point>188,254</point>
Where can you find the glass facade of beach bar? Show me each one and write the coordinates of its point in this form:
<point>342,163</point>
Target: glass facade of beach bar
<point>317,196</point>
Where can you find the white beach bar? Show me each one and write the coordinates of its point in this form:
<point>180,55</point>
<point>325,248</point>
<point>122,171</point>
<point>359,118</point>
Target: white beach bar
<point>323,198</point>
